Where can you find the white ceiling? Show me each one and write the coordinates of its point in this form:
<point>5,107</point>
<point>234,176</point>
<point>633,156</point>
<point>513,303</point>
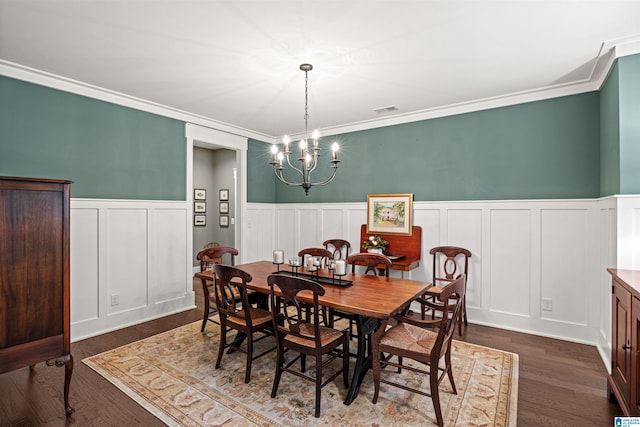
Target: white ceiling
<point>237,62</point>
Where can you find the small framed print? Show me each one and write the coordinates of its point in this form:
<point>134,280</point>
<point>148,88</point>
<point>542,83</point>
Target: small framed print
<point>224,207</point>
<point>200,207</point>
<point>199,194</point>
<point>199,220</point>
<point>224,194</point>
<point>224,220</point>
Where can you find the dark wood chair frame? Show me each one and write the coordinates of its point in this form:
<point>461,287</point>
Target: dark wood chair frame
<point>373,262</point>
<point>443,329</point>
<point>338,247</point>
<point>324,254</point>
<point>307,339</point>
<point>376,263</point>
<point>450,269</point>
<point>236,312</point>
<point>213,255</point>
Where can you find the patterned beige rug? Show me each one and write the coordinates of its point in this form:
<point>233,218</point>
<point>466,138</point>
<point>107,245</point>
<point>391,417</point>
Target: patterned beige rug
<point>172,376</point>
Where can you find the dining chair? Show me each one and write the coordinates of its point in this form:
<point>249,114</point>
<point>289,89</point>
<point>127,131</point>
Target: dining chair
<point>338,247</point>
<point>448,263</point>
<point>376,263</point>
<point>307,338</point>
<point>205,261</point>
<point>425,341</point>
<point>322,253</point>
<point>373,263</point>
<point>214,255</point>
<point>235,312</point>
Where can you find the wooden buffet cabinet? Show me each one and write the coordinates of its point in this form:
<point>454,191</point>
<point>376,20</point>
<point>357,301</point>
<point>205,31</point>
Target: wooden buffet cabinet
<point>34,275</point>
<point>623,383</point>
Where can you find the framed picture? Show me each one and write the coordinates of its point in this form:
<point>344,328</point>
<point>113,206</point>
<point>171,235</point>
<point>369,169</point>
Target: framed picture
<point>389,213</point>
<point>224,194</point>
<point>224,207</point>
<point>200,207</point>
<point>224,220</point>
<point>199,194</point>
<point>199,220</point>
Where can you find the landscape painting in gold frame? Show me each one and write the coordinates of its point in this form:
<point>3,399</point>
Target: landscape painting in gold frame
<point>390,214</point>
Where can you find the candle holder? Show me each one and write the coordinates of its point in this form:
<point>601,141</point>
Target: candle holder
<point>278,264</point>
<point>294,263</point>
<point>334,275</point>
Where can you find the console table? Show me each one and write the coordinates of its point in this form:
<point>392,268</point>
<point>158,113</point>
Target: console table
<point>410,247</point>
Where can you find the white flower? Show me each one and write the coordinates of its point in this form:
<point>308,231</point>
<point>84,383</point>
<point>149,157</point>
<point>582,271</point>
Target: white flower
<point>372,238</point>
<point>375,243</point>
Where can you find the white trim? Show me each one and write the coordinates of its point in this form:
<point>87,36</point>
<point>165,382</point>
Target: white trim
<point>609,51</point>
<point>200,136</point>
<point>32,75</point>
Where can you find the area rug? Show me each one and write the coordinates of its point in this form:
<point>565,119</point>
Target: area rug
<point>172,375</point>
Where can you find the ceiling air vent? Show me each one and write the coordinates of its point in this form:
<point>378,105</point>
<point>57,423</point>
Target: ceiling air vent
<point>385,110</point>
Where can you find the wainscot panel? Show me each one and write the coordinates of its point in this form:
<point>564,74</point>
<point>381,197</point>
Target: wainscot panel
<point>129,263</point>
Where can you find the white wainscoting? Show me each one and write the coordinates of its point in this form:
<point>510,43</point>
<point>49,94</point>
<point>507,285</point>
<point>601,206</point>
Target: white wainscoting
<point>524,252</point>
<point>132,251</point>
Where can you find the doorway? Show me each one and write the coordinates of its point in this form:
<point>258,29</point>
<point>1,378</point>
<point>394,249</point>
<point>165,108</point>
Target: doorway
<point>215,163</point>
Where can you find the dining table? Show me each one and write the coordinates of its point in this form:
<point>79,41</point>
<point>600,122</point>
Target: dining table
<point>370,299</point>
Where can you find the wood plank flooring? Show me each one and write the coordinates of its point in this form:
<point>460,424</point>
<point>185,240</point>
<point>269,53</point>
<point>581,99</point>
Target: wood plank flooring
<point>560,383</point>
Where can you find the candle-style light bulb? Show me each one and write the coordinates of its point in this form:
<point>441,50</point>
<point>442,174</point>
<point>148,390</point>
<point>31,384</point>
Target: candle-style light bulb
<point>280,157</point>
<point>303,146</point>
<point>274,151</point>
<point>286,142</point>
<point>315,135</point>
<point>335,148</point>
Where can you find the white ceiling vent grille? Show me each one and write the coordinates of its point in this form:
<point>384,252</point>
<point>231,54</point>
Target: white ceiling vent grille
<point>385,110</point>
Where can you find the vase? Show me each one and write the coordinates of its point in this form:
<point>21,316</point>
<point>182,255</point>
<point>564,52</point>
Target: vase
<point>374,251</point>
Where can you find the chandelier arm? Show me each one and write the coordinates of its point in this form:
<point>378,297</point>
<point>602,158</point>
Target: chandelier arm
<point>328,180</point>
<point>281,178</point>
<point>281,171</point>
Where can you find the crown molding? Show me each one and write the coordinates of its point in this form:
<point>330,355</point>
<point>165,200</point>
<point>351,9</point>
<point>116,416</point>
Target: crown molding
<point>604,61</point>
<point>31,75</point>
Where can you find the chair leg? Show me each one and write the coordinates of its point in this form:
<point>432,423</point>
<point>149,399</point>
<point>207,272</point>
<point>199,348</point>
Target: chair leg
<point>435,396</point>
<point>279,364</point>
<point>376,373</point>
<point>303,362</point>
<point>223,343</point>
<point>447,361</point>
<point>318,385</point>
<point>247,373</point>
<point>206,313</point>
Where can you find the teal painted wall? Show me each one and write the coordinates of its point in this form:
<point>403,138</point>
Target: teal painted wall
<point>629,76</point>
<point>540,150</point>
<point>610,134</point>
<point>261,184</point>
<point>108,151</point>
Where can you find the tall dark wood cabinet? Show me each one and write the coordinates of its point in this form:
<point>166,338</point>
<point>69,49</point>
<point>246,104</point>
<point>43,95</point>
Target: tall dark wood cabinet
<point>34,275</point>
<point>624,381</point>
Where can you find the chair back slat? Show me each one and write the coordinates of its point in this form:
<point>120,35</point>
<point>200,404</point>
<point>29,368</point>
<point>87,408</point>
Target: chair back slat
<point>230,289</point>
<point>338,247</point>
<point>214,255</point>
<point>450,314</point>
<point>322,253</point>
<point>374,263</point>
<point>289,288</point>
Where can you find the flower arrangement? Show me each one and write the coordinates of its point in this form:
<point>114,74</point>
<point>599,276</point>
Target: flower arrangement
<point>375,242</point>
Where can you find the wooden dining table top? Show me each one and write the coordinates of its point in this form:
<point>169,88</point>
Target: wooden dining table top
<point>378,297</point>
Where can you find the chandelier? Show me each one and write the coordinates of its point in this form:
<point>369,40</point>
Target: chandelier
<point>309,151</point>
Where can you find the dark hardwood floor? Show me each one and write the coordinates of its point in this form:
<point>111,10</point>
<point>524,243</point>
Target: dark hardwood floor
<point>560,383</point>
